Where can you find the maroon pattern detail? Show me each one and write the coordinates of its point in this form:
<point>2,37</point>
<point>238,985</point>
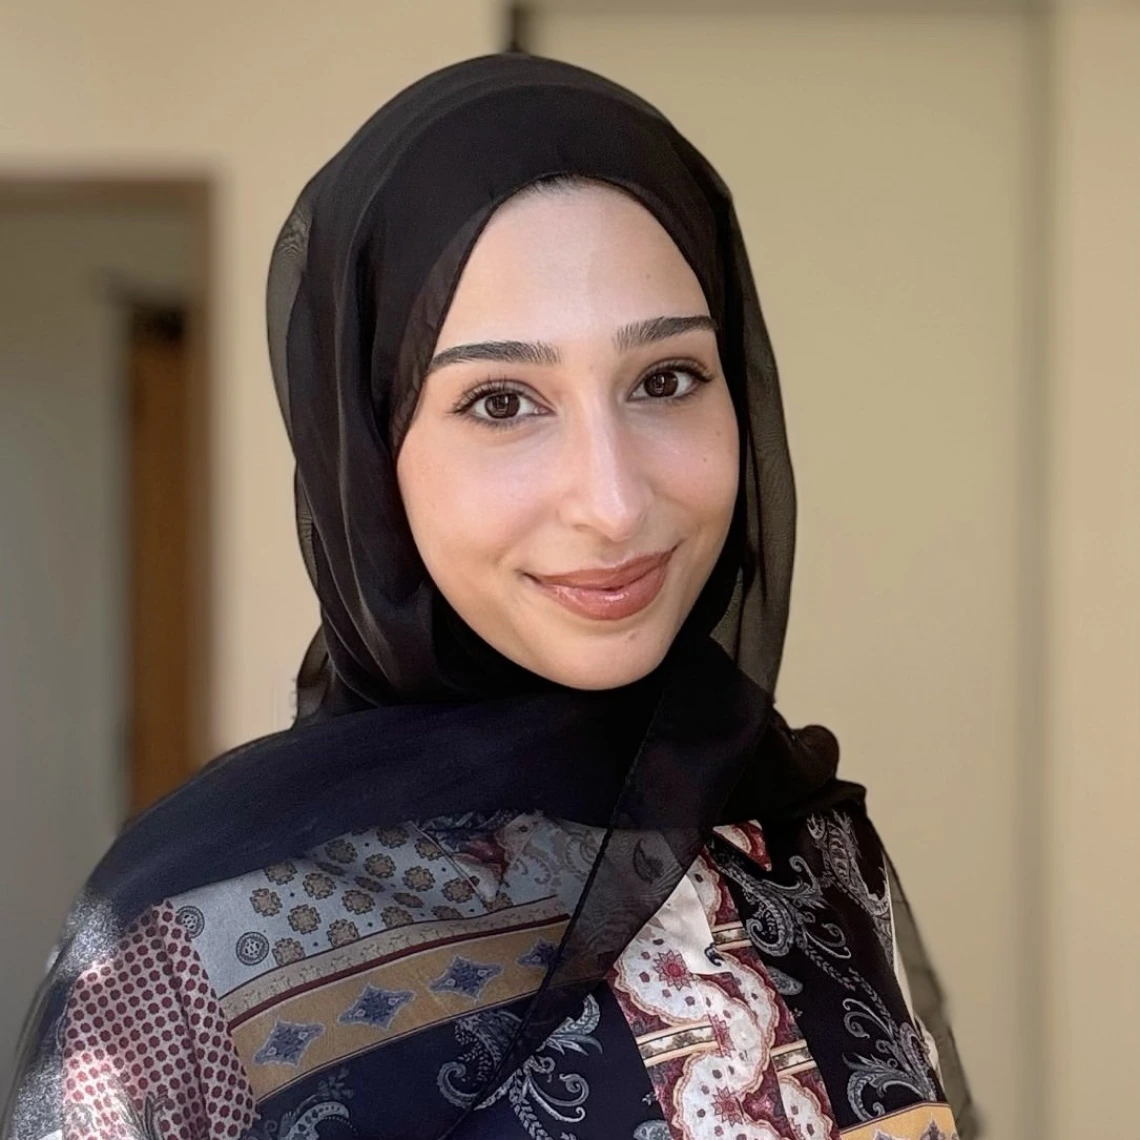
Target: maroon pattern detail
<point>722,1049</point>
<point>748,839</point>
<point>147,1051</point>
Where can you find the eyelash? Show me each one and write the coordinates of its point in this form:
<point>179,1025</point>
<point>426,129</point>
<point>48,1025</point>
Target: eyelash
<point>498,386</point>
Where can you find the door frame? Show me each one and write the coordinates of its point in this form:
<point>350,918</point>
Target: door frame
<point>193,197</point>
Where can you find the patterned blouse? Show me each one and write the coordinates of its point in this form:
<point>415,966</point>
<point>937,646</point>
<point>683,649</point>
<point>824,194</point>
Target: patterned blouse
<point>339,995</point>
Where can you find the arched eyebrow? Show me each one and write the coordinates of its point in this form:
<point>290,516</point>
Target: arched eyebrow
<point>641,333</point>
<point>506,351</point>
<point>635,335</point>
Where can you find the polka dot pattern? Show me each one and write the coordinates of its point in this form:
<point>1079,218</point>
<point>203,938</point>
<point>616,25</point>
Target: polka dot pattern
<point>145,1040</point>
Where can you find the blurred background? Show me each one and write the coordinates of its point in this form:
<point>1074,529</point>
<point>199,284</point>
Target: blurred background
<point>941,200</point>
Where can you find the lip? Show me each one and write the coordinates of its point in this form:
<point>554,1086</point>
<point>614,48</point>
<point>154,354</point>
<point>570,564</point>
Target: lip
<point>609,593</point>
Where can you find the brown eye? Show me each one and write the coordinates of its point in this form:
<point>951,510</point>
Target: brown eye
<point>499,407</point>
<point>502,405</point>
<point>661,384</point>
<point>671,382</point>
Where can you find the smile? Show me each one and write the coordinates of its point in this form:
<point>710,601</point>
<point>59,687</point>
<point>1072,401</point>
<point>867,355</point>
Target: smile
<point>608,594</point>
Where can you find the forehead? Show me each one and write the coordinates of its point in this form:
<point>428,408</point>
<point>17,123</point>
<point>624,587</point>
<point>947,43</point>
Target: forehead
<point>560,257</point>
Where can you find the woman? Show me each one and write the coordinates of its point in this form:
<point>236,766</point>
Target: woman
<point>539,858</point>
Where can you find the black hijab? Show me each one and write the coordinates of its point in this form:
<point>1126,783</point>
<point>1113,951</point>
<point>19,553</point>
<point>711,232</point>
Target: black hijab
<point>359,285</point>
<point>405,712</point>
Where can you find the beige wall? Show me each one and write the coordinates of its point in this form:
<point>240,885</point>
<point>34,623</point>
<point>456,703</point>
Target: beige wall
<point>1091,844</point>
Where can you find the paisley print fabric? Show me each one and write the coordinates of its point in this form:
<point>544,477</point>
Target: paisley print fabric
<point>338,995</point>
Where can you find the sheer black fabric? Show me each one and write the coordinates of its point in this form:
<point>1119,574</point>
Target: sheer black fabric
<point>404,712</point>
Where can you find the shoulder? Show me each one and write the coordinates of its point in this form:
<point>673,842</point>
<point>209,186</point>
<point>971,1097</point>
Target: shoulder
<point>138,1020</point>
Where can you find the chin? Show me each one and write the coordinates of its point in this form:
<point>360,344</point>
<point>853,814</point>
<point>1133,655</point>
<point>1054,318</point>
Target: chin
<point>600,666</point>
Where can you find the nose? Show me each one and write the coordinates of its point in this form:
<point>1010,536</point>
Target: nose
<point>605,486</point>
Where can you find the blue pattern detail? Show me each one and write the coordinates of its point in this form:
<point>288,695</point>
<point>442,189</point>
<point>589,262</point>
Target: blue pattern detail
<point>376,1007</point>
<point>287,1043</point>
<point>542,953</point>
<point>465,977</point>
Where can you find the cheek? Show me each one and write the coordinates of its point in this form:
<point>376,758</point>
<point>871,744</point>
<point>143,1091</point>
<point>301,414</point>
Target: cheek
<point>700,468</point>
<point>468,513</point>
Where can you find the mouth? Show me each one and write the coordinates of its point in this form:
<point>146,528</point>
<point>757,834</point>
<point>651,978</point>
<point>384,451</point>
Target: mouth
<point>610,593</point>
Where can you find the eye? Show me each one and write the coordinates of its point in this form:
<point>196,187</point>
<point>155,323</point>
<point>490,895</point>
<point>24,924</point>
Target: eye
<point>670,383</point>
<point>499,405</point>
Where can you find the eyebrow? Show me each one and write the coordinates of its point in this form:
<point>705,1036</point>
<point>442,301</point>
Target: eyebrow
<point>508,351</point>
<point>630,336</point>
<point>658,328</point>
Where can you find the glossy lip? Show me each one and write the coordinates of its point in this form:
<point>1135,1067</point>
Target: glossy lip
<point>608,594</point>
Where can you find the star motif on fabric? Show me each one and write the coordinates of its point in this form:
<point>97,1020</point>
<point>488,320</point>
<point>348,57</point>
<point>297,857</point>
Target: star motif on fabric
<point>376,1007</point>
<point>671,968</point>
<point>465,977</point>
<point>727,1107</point>
<point>287,1043</point>
<point>542,954</point>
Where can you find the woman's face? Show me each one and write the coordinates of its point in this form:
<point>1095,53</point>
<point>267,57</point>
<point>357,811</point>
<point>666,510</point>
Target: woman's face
<point>571,468</point>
